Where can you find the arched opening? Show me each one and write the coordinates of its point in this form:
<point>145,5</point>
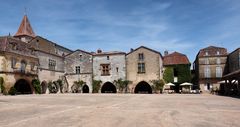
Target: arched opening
<point>108,87</point>
<point>85,89</point>
<point>44,87</point>
<point>143,87</point>
<point>22,87</point>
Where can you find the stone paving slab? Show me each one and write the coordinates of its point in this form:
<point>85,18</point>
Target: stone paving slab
<point>119,110</point>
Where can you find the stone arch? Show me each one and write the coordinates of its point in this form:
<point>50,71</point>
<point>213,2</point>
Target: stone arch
<point>44,87</point>
<point>143,87</point>
<point>85,89</point>
<point>108,87</point>
<point>22,86</point>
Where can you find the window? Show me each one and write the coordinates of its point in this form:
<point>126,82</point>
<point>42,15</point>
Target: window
<point>140,57</point>
<point>52,64</point>
<point>175,73</point>
<point>218,61</point>
<point>23,66</point>
<point>13,63</point>
<point>32,65</point>
<point>117,69</point>
<point>80,57</point>
<point>141,67</point>
<point>218,72</point>
<point>207,72</point>
<point>206,53</point>
<point>218,53</point>
<point>107,57</point>
<point>206,61</point>
<point>105,69</point>
<point>77,69</point>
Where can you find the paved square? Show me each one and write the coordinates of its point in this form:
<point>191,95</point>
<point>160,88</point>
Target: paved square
<point>119,110</point>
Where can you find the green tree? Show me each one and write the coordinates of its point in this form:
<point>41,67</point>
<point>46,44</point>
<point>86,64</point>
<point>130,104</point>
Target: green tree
<point>168,74</point>
<point>77,86</point>
<point>37,86</point>
<point>3,90</point>
<point>121,84</point>
<point>158,85</point>
<point>60,83</point>
<point>96,84</point>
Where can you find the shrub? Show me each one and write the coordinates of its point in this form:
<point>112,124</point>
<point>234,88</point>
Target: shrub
<point>96,84</point>
<point>77,85</point>
<point>3,90</point>
<point>12,91</point>
<point>158,85</point>
<point>53,87</point>
<point>60,83</point>
<point>37,86</point>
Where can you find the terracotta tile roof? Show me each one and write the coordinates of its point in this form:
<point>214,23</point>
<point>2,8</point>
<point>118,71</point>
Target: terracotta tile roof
<point>175,58</point>
<point>25,28</point>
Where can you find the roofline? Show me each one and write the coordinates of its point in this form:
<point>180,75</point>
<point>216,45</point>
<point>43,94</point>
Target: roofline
<point>80,51</point>
<point>147,49</point>
<point>53,43</point>
<point>234,51</point>
<point>107,53</point>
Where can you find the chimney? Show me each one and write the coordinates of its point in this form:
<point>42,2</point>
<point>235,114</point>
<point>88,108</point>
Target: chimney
<point>99,51</point>
<point>165,53</point>
<point>131,49</point>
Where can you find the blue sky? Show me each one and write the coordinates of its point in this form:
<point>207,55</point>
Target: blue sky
<point>185,26</point>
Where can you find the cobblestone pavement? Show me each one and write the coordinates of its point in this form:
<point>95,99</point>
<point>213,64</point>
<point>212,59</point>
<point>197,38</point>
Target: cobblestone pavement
<point>119,110</point>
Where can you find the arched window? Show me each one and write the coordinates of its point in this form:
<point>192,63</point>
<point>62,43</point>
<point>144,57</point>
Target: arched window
<point>23,66</point>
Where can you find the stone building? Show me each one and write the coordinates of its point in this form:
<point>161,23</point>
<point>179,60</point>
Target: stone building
<point>51,60</point>
<point>143,65</point>
<point>107,67</point>
<point>231,84</point>
<point>209,66</point>
<point>78,66</point>
<point>18,65</point>
<point>176,69</point>
<point>18,60</point>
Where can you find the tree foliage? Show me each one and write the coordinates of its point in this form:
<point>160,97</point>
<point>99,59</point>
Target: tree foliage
<point>168,74</point>
<point>96,84</point>
<point>122,85</point>
<point>37,86</point>
<point>3,90</point>
<point>77,86</point>
<point>158,85</point>
<point>183,72</point>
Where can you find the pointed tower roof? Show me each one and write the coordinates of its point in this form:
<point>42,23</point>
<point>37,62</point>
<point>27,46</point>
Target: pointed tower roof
<point>25,28</point>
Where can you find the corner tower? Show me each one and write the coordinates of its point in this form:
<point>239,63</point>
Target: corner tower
<point>25,31</point>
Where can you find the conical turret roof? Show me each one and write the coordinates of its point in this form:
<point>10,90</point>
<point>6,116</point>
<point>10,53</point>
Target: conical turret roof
<point>25,28</point>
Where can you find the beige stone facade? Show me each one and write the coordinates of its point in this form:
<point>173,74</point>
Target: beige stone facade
<point>210,66</point>
<point>17,63</point>
<point>78,66</point>
<point>152,69</point>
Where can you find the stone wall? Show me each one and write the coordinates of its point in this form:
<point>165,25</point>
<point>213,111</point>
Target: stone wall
<point>117,67</point>
<point>153,67</point>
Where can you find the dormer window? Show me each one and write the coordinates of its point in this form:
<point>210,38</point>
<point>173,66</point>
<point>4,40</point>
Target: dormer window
<point>206,53</point>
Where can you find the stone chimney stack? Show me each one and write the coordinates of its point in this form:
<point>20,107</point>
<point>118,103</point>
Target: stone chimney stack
<point>165,53</point>
<point>131,49</point>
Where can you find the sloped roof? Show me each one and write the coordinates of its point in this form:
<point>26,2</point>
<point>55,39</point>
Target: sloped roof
<point>25,28</point>
<point>145,48</point>
<point>175,58</point>
<point>212,51</point>
<point>108,53</point>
